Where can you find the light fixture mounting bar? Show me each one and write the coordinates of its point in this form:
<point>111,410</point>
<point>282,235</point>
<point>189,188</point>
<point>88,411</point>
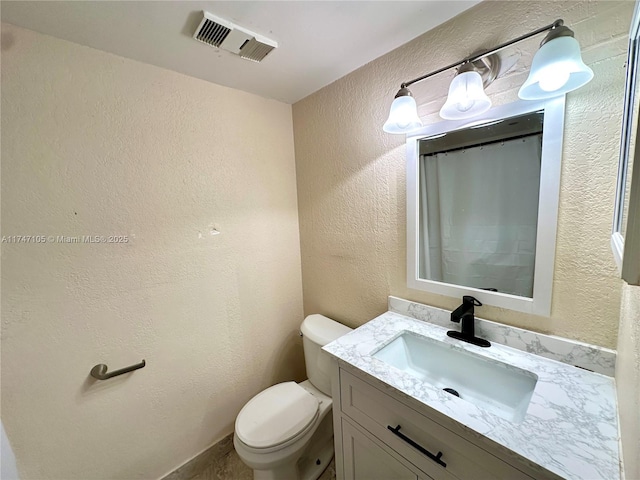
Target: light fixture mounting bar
<point>476,57</point>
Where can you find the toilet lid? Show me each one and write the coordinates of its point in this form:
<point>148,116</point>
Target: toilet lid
<point>276,415</point>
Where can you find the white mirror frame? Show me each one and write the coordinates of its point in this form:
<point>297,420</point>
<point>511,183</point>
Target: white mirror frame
<point>552,135</point>
<point>626,250</point>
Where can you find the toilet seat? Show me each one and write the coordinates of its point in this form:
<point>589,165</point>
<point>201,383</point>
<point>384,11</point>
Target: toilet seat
<point>277,416</point>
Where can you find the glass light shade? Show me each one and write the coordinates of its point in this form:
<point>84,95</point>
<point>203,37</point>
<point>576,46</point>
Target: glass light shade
<point>557,68</point>
<point>466,97</point>
<point>403,116</point>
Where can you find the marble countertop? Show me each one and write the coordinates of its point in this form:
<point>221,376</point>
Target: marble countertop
<point>570,428</point>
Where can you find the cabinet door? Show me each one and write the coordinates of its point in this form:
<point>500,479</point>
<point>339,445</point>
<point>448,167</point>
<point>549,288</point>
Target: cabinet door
<point>365,459</point>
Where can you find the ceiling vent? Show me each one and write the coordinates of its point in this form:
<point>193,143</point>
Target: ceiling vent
<point>221,33</point>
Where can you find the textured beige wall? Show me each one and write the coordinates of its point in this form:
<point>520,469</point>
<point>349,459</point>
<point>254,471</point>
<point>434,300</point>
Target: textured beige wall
<point>628,380</point>
<point>351,175</point>
<point>94,144</point>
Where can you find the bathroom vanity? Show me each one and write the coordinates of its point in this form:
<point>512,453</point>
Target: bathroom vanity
<point>517,415</point>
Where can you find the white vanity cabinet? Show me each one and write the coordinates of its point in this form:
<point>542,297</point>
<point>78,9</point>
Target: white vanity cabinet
<point>379,437</point>
<point>365,457</point>
<point>565,428</point>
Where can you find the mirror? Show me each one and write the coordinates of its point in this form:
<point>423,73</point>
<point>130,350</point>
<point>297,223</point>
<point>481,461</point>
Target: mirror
<point>625,223</point>
<point>482,204</point>
<point>479,191</point>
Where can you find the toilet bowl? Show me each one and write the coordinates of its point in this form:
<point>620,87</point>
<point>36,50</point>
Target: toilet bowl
<point>286,431</point>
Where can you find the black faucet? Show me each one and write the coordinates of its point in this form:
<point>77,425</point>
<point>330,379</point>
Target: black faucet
<point>464,314</point>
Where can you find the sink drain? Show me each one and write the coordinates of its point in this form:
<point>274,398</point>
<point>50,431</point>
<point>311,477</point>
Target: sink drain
<point>451,391</point>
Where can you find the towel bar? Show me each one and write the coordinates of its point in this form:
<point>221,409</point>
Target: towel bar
<point>100,371</point>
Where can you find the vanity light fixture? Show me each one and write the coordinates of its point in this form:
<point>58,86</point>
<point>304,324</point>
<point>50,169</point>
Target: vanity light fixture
<point>466,97</point>
<point>557,68</point>
<point>404,113</point>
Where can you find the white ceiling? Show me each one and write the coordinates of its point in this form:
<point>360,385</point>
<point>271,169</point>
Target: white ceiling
<point>318,41</point>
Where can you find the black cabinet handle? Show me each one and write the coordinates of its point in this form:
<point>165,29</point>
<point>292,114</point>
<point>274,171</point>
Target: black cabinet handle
<point>420,448</point>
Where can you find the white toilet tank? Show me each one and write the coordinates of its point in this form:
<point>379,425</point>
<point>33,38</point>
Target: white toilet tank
<point>317,331</point>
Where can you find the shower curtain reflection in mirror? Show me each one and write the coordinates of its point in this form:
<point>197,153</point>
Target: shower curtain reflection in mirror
<point>479,215</point>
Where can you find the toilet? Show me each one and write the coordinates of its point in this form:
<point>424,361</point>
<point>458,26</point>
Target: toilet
<point>286,431</point>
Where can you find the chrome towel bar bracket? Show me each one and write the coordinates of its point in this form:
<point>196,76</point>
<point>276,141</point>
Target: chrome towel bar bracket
<point>100,371</point>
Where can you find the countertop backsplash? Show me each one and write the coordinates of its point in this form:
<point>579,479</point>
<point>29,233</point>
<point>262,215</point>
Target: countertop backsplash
<point>591,357</point>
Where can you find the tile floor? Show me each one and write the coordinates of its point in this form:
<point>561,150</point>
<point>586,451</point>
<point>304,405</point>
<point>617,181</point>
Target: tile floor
<point>230,467</point>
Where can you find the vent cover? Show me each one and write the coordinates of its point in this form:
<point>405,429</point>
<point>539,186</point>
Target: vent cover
<point>255,50</point>
<point>221,33</point>
<point>212,33</point>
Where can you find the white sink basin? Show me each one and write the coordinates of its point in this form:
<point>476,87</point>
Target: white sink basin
<point>502,389</point>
